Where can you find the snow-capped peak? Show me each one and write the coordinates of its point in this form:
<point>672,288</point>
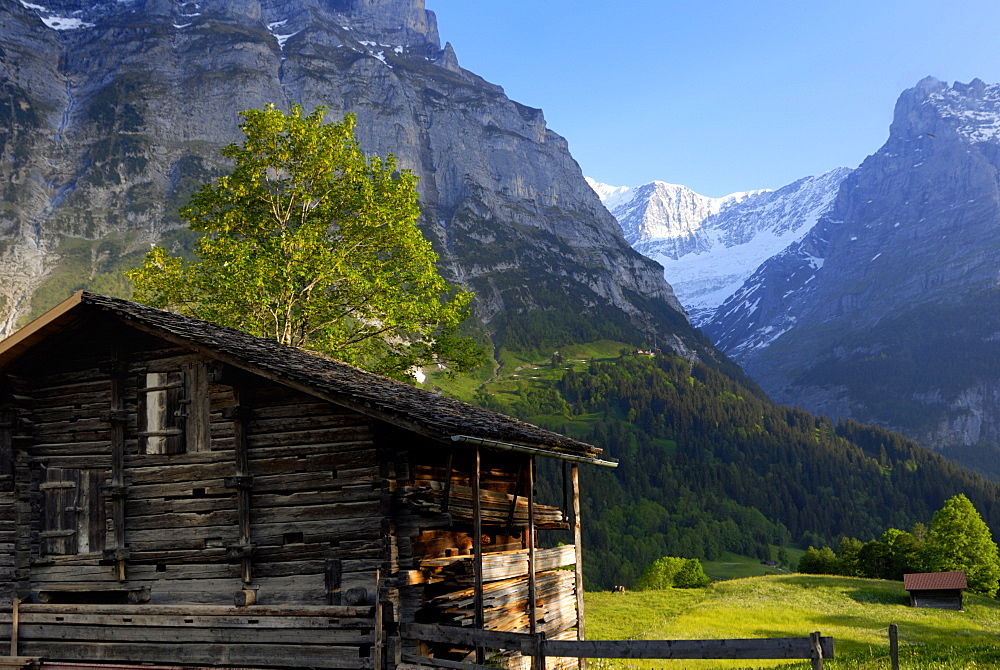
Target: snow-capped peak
<point>710,246</point>
<point>974,108</point>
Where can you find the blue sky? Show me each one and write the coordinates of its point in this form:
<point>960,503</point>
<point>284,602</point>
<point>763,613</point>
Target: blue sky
<point>721,96</point>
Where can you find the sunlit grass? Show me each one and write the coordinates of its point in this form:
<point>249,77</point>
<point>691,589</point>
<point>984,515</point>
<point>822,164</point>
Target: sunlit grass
<point>855,612</point>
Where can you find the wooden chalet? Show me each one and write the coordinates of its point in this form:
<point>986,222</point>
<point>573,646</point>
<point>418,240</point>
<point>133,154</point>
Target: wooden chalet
<point>174,492</point>
<point>939,590</point>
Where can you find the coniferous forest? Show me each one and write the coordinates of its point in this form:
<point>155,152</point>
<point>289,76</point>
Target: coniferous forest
<point>708,466</point>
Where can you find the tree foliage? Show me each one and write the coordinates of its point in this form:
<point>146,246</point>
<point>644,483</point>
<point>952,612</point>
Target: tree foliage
<point>957,539</point>
<point>310,243</point>
<point>960,540</point>
<point>707,467</point>
<point>672,572</point>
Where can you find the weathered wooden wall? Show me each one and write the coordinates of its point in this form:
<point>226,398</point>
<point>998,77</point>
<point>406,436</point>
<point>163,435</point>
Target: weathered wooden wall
<point>118,517</point>
<point>271,492</point>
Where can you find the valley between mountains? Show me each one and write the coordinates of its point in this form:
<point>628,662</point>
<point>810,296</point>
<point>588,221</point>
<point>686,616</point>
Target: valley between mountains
<point>866,293</point>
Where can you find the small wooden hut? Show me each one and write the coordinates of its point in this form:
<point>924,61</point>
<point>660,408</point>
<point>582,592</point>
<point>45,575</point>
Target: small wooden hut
<point>939,590</point>
<point>175,492</point>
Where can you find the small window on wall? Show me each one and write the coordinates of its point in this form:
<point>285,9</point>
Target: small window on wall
<point>162,413</point>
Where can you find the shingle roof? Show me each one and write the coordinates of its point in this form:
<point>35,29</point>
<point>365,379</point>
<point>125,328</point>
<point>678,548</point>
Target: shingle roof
<point>365,391</point>
<point>934,581</point>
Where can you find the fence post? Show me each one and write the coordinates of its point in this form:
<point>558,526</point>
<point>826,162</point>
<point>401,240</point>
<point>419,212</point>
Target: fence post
<point>538,658</point>
<point>894,645</point>
<point>817,651</point>
<point>14,622</point>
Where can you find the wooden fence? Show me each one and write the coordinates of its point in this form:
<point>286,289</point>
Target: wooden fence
<point>814,647</point>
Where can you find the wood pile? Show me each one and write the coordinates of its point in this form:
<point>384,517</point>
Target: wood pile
<point>505,591</point>
<point>496,507</point>
<point>496,566</point>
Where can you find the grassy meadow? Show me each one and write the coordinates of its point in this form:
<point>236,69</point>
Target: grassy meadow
<point>855,612</point>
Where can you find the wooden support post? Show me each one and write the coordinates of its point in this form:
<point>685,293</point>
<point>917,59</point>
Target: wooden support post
<point>578,547</point>
<point>538,657</point>
<point>894,645</point>
<point>513,501</point>
<point>817,651</point>
<point>242,482</point>
<point>8,425</point>
<point>14,622</point>
<point>447,481</point>
<point>117,420</point>
<point>477,548</point>
<point>378,661</point>
<point>333,571</point>
<point>532,584</point>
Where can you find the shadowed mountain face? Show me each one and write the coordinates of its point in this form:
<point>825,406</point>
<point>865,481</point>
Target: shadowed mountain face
<point>887,311</point>
<point>113,111</point>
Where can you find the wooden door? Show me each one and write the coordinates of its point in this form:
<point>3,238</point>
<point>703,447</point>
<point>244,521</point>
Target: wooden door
<point>72,511</point>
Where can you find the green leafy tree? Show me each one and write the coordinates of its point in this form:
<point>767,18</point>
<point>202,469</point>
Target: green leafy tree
<point>906,551</point>
<point>691,575</point>
<point>848,554</point>
<point>310,243</point>
<point>672,572</point>
<point>959,539</point>
<point>819,562</point>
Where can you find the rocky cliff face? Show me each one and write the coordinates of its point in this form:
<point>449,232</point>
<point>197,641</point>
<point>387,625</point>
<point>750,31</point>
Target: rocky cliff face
<point>113,111</point>
<point>887,310</point>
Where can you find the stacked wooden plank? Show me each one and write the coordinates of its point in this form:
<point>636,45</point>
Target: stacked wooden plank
<point>321,637</point>
<point>505,604</point>
<point>496,566</point>
<point>497,508</point>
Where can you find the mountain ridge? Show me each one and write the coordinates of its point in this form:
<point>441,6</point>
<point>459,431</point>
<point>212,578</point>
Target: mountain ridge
<point>102,145</point>
<point>710,246</point>
<point>840,322</point>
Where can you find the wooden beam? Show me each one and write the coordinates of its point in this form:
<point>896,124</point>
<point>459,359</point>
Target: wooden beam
<point>447,481</point>
<point>468,637</point>
<point>245,478</point>
<point>578,547</point>
<point>118,489</point>
<point>768,648</point>
<point>379,625</point>
<point>14,622</point>
<point>762,648</point>
<point>477,548</point>
<point>332,612</point>
<point>532,582</point>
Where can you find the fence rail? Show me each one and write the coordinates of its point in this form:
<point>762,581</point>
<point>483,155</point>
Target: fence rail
<point>814,647</point>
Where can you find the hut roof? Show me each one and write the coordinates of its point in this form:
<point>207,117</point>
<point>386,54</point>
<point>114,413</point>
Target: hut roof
<point>396,402</point>
<point>934,581</point>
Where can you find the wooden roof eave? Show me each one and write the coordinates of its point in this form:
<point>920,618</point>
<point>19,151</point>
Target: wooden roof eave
<point>355,405</point>
<point>528,449</point>
<point>65,313</point>
<point>51,321</point>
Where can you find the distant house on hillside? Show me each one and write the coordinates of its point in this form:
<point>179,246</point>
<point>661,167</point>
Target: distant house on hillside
<point>939,590</point>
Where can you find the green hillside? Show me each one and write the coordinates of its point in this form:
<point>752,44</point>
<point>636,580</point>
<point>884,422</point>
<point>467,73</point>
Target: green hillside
<point>855,612</point>
<point>709,466</point>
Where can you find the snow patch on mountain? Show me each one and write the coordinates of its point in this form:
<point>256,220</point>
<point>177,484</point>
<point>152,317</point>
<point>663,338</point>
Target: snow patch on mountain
<point>710,246</point>
<point>973,108</point>
<point>55,20</point>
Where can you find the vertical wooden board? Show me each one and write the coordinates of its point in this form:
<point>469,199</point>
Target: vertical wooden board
<point>92,521</point>
<point>59,519</point>
<point>198,424</point>
<point>8,424</point>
